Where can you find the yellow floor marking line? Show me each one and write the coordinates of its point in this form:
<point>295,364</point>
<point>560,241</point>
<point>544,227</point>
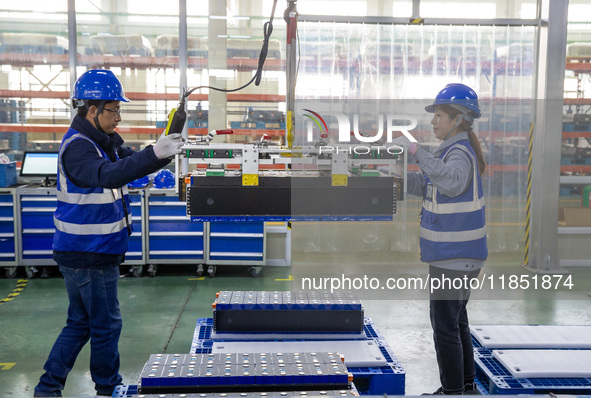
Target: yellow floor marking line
<point>20,285</point>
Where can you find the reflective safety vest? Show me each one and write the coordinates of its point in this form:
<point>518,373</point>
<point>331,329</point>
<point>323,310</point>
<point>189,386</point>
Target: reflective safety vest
<point>454,227</point>
<point>93,220</point>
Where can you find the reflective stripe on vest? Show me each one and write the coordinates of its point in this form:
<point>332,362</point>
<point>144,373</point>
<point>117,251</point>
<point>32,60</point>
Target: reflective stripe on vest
<point>457,236</point>
<point>90,229</point>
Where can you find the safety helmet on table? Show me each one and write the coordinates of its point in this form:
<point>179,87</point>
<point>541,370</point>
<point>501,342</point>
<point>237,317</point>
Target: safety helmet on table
<point>458,96</point>
<point>164,179</point>
<point>140,182</point>
<point>98,84</point>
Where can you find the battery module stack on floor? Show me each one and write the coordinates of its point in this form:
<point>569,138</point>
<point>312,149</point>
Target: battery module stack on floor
<point>245,372</point>
<point>532,359</point>
<point>287,312</point>
<point>302,322</point>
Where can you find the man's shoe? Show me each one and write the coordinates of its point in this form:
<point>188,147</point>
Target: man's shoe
<point>440,391</point>
<point>471,389</point>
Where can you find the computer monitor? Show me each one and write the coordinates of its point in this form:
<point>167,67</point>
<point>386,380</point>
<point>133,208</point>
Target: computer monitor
<point>40,164</point>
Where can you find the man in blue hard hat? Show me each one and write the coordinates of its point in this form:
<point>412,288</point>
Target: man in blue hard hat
<point>93,223</point>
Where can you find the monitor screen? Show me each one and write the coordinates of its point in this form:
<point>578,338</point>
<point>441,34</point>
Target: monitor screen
<point>39,164</point>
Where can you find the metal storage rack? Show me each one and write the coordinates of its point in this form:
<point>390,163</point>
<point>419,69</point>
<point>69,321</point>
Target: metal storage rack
<point>569,236</point>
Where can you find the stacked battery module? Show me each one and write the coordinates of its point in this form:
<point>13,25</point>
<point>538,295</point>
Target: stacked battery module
<point>287,312</point>
<point>244,372</point>
<point>278,344</point>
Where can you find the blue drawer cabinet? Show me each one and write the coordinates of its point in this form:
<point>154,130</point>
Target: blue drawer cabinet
<point>236,242</point>
<point>7,222</point>
<point>172,237</point>
<point>37,206</point>
<point>135,252</point>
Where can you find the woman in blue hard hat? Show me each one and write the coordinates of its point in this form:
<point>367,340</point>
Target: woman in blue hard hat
<point>453,235</point>
<point>93,223</point>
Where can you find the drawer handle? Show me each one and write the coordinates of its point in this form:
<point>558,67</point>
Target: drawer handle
<point>235,235</point>
<point>176,252</point>
<point>234,254</point>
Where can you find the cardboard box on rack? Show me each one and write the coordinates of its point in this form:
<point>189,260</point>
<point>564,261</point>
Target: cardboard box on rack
<point>574,216</point>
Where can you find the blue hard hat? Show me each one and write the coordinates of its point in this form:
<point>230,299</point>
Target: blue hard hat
<point>99,84</point>
<point>140,182</point>
<point>164,179</point>
<point>457,95</point>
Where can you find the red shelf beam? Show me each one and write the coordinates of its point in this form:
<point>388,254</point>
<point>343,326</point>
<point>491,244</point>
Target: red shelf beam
<point>143,96</point>
<point>577,101</point>
<point>103,61</point>
<point>62,128</point>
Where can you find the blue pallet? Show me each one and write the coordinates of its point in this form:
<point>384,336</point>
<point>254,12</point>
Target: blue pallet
<point>204,328</point>
<point>379,380</point>
<point>475,342</point>
<point>388,379</point>
<point>570,161</point>
<point>576,127</point>
<point>125,391</point>
<point>496,379</point>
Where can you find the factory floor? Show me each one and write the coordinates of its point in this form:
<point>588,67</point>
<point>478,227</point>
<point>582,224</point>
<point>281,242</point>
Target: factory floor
<point>160,313</point>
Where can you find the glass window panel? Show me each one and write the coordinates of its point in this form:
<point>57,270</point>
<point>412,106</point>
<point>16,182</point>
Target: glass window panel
<point>477,9</point>
<point>36,6</point>
<point>152,8</point>
<point>575,169</point>
<point>446,9</point>
<point>579,11</point>
<point>528,11</point>
<point>198,7</point>
<point>402,8</point>
<point>327,7</point>
<point>124,39</point>
<point>35,72</point>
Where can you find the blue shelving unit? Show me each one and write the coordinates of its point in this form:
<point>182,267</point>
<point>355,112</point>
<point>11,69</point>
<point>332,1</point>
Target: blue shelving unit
<point>172,237</point>
<point>240,243</point>
<point>135,253</point>
<point>8,242</point>
<point>36,206</point>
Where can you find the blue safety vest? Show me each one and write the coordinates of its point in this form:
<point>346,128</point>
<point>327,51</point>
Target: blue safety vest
<point>92,219</point>
<point>454,227</point>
